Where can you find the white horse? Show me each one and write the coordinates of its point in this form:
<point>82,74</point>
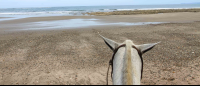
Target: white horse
<point>127,61</point>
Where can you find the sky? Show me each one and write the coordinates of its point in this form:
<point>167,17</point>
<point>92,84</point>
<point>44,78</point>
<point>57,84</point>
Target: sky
<point>57,3</point>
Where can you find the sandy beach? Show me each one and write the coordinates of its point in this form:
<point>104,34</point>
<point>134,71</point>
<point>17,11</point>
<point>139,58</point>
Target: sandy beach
<point>79,56</point>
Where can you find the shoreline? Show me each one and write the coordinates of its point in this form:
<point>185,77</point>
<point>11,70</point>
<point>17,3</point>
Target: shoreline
<point>80,10</point>
<point>74,22</point>
<point>163,17</point>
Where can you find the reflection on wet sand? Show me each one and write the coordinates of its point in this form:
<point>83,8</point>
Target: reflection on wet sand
<point>76,23</point>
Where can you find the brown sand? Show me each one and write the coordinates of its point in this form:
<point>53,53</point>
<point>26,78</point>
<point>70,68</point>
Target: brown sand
<point>80,56</point>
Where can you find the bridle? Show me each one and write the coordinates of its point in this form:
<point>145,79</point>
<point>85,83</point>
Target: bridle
<point>115,51</point>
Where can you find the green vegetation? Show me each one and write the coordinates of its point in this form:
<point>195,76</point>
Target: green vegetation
<point>135,12</point>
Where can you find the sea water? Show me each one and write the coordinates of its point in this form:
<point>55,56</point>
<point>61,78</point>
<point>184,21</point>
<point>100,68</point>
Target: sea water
<point>80,10</point>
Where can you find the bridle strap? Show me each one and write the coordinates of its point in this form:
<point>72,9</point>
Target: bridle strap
<point>115,51</point>
<point>111,61</point>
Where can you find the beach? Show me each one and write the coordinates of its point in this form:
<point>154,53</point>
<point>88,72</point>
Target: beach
<point>77,55</point>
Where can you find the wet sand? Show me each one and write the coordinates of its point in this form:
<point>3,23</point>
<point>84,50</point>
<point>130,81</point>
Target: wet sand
<point>80,56</point>
<point>4,17</point>
<point>165,17</point>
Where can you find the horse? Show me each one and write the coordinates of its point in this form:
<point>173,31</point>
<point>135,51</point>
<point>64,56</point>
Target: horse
<point>127,62</point>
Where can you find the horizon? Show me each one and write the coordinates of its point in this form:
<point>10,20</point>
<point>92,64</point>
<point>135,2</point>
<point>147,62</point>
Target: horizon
<point>50,3</point>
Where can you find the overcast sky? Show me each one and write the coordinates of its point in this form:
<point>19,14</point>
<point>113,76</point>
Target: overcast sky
<point>53,3</point>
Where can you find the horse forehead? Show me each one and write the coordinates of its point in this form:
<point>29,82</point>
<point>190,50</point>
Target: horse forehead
<point>128,42</point>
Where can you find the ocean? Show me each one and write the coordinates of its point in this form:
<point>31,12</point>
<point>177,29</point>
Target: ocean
<point>79,10</point>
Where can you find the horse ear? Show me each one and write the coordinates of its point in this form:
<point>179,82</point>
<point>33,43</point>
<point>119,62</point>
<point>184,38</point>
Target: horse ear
<point>146,47</point>
<point>111,44</point>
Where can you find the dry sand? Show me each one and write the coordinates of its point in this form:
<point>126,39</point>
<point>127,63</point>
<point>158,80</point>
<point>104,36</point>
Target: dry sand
<point>80,56</point>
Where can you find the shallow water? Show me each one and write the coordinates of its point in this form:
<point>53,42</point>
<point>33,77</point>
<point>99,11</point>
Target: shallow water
<point>13,17</point>
<point>77,23</point>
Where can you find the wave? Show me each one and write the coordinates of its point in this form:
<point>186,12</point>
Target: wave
<point>77,10</point>
<point>107,9</point>
<point>150,9</point>
<point>37,13</point>
<point>160,8</point>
